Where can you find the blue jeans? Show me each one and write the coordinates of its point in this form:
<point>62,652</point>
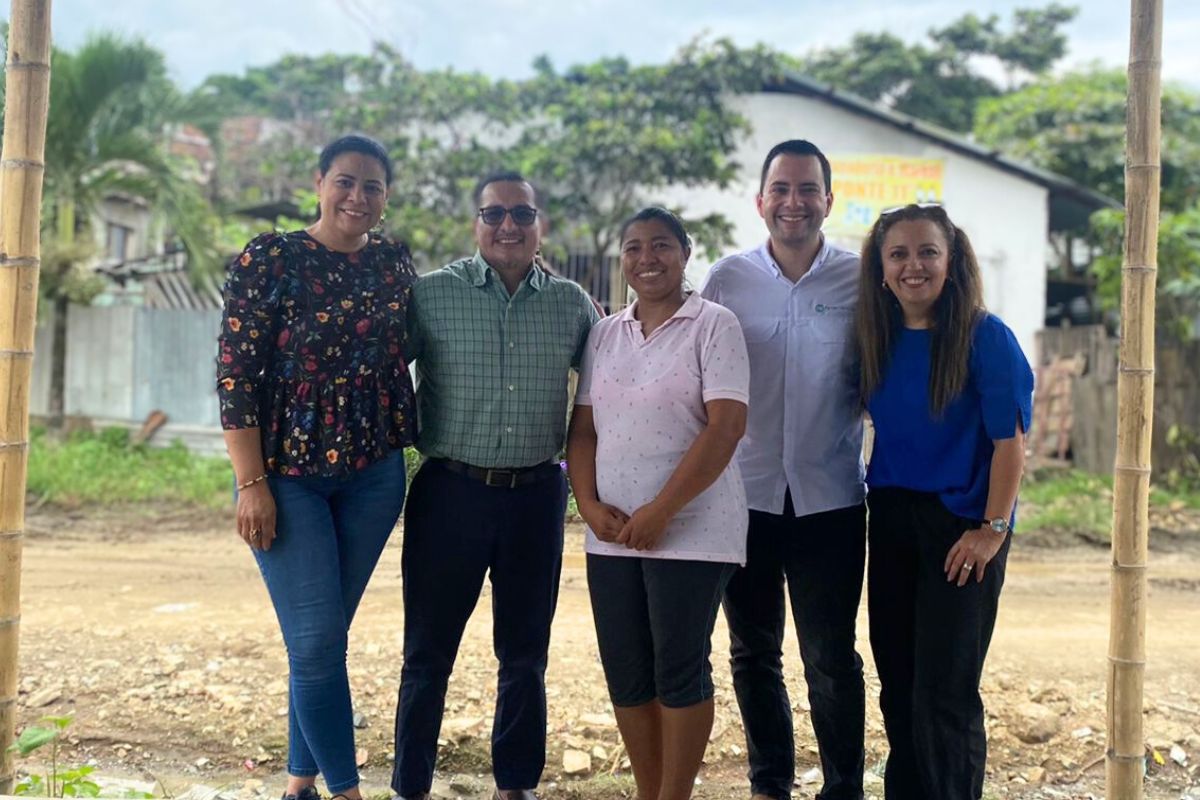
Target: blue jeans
<point>329,535</point>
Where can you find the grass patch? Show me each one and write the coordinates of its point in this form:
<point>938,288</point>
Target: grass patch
<point>103,468</point>
<point>1066,500</point>
<point>1077,501</point>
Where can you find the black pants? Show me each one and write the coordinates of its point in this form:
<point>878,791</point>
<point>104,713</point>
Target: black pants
<point>929,638</point>
<point>821,556</point>
<point>456,532</point>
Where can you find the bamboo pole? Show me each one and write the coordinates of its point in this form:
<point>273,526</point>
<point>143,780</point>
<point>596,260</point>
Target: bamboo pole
<point>26,101</point>
<point>1126,753</point>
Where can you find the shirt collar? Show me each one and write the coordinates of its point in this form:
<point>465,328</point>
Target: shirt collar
<point>764,253</point>
<point>478,270</point>
<point>689,310</point>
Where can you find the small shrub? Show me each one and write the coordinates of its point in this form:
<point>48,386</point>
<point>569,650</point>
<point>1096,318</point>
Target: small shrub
<point>72,782</point>
<point>104,468</point>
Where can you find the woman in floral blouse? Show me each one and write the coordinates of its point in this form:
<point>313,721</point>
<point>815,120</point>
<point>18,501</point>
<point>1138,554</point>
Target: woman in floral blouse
<point>317,407</point>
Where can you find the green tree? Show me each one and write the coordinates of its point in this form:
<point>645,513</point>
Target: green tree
<point>1178,293</point>
<point>110,107</point>
<point>609,137</point>
<point>1075,125</point>
<point>601,139</point>
<point>940,80</point>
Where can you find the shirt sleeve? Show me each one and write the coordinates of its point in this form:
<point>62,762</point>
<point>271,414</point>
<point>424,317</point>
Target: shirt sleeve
<point>590,318</point>
<point>1003,378</point>
<point>248,329</point>
<point>583,392</point>
<point>724,364</point>
<point>710,287</point>
<point>416,336</point>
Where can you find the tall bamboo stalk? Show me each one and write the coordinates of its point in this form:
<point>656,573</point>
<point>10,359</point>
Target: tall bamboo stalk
<point>26,100</point>
<point>1126,755</point>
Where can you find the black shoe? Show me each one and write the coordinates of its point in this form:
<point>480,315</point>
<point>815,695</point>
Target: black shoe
<point>307,793</point>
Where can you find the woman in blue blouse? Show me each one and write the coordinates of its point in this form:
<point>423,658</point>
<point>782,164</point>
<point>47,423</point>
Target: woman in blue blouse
<point>949,392</point>
<point>317,407</point>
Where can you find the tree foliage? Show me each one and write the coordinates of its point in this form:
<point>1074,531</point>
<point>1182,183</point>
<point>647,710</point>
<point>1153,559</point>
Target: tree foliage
<point>940,80</point>
<point>111,105</point>
<point>601,139</point>
<point>610,137</point>
<point>1075,125</point>
<point>1178,295</point>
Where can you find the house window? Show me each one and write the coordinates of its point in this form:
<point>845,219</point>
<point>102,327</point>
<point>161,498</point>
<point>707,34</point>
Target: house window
<point>117,245</point>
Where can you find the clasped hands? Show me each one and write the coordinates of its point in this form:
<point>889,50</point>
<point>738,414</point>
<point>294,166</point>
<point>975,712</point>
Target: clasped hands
<point>642,530</point>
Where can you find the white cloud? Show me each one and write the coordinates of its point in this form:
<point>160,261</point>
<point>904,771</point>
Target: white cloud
<point>501,37</point>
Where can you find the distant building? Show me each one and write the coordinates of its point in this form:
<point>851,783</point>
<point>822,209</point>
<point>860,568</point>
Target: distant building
<point>1018,216</point>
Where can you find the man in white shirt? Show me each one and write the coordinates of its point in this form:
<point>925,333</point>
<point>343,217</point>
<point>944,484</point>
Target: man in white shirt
<point>801,464</point>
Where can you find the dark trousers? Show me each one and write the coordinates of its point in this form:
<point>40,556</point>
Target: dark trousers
<point>929,638</point>
<point>456,532</point>
<point>821,556</point>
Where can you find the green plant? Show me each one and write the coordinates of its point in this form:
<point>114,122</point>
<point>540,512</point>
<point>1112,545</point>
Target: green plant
<point>1185,475</point>
<point>73,782</point>
<point>1066,500</point>
<point>412,462</point>
<point>105,468</point>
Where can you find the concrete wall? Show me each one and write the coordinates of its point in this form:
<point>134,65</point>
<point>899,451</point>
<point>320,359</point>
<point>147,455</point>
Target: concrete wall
<point>124,362</point>
<point>1006,216</point>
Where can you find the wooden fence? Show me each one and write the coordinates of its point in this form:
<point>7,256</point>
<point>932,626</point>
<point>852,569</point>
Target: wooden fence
<point>1084,361</point>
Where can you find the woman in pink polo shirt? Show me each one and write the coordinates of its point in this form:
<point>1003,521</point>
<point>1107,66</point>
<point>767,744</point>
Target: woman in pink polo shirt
<point>659,412</point>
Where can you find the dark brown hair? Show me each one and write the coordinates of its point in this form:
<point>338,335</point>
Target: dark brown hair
<point>956,312</point>
<point>796,147</point>
<point>659,214</point>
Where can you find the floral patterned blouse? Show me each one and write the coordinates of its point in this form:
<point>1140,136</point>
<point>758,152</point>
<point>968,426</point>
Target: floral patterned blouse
<point>312,351</point>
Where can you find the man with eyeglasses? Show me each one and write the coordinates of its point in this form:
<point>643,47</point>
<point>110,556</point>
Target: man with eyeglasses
<point>801,464</point>
<point>494,338</point>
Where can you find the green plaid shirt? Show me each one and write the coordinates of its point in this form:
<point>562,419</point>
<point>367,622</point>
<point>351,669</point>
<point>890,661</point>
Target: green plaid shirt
<point>492,370</point>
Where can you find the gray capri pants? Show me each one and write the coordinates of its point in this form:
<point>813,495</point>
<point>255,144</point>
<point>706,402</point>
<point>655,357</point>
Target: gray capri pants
<point>654,622</point>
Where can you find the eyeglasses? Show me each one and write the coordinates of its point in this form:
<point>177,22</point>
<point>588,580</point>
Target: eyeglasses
<point>521,215</point>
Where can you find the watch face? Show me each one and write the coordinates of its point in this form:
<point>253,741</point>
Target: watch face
<point>999,525</point>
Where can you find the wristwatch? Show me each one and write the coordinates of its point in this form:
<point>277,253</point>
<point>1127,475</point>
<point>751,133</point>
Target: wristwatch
<point>999,525</point>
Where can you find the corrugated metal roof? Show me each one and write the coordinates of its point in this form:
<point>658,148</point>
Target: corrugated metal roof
<point>166,283</point>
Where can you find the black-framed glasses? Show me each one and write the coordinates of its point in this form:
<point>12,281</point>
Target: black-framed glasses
<point>521,215</point>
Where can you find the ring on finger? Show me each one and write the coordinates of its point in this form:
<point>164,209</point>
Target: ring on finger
<point>254,534</point>
<point>968,567</point>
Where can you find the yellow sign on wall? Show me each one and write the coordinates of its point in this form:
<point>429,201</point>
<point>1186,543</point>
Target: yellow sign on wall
<point>863,186</point>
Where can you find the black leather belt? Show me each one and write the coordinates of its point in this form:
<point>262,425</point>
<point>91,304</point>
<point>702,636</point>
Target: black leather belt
<point>501,477</point>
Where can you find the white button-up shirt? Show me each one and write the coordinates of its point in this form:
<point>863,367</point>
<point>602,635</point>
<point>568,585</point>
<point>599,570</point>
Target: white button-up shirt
<point>804,430</point>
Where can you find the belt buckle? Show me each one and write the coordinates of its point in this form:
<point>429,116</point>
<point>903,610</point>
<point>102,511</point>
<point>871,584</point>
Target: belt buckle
<point>512,479</point>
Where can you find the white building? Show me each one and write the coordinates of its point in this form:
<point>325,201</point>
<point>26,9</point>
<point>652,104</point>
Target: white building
<point>883,159</point>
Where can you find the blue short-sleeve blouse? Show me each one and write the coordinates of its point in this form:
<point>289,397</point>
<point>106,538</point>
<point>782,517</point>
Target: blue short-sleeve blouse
<point>949,455</point>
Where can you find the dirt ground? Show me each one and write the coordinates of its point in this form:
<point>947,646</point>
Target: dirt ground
<point>153,628</point>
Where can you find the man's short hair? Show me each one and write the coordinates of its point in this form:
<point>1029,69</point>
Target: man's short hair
<point>796,147</point>
<point>505,176</point>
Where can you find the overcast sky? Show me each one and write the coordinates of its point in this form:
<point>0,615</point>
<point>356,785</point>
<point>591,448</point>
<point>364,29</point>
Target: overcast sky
<point>501,37</point>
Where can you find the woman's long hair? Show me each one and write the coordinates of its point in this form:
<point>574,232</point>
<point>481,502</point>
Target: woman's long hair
<point>956,312</point>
